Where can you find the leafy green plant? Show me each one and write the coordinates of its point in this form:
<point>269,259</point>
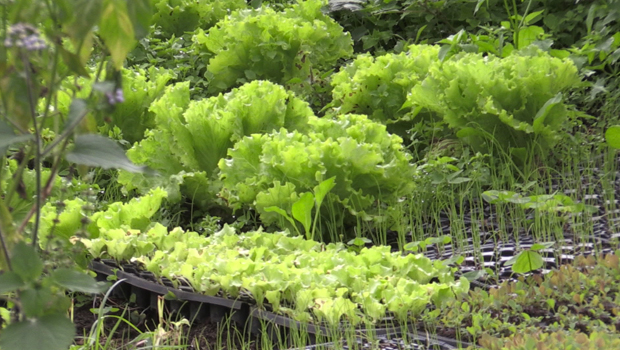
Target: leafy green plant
<point>276,46</point>
<point>528,260</point>
<point>191,138</point>
<point>547,202</point>
<point>369,166</point>
<point>378,86</point>
<point>177,17</point>
<point>517,99</point>
<point>33,66</point>
<point>293,274</point>
<point>140,88</point>
<point>550,341</point>
<point>302,208</point>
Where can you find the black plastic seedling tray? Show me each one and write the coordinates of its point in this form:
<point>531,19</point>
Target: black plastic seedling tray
<point>392,339</point>
<point>197,307</point>
<point>193,306</point>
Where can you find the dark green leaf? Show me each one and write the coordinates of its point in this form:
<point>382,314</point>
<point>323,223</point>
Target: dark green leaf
<point>76,111</point>
<point>73,62</point>
<point>612,136</point>
<point>10,282</point>
<point>35,302</point>
<point>590,18</point>
<point>26,262</point>
<point>8,137</point>
<point>50,332</point>
<point>140,13</point>
<point>76,281</point>
<point>99,151</point>
<point>87,14</point>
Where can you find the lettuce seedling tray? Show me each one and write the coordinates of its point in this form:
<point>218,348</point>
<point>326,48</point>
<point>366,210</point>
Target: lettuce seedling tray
<point>194,306</point>
<point>145,290</point>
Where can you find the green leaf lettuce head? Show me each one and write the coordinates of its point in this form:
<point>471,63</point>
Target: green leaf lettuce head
<point>517,99</point>
<point>176,17</point>
<point>368,164</point>
<point>140,88</point>
<point>276,46</point>
<point>378,86</point>
<point>191,137</point>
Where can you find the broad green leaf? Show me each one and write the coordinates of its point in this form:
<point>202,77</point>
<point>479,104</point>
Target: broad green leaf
<point>140,12</point>
<point>76,281</point>
<point>117,31</point>
<point>612,136</point>
<point>533,17</point>
<point>527,261</point>
<point>99,151</point>
<point>36,302</point>
<point>73,62</point>
<point>539,246</point>
<point>87,14</point>
<point>77,110</point>
<point>443,52</point>
<point>321,190</point>
<point>539,119</point>
<point>281,212</point>
<point>590,17</point>
<point>26,262</point>
<point>475,275</point>
<point>359,241</point>
<point>528,35</point>
<point>49,332</point>
<point>478,5</point>
<point>10,282</point>
<point>8,137</point>
<point>302,210</point>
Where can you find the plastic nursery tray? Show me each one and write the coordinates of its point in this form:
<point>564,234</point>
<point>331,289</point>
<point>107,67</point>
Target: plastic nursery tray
<point>198,307</point>
<point>193,306</point>
<point>393,339</point>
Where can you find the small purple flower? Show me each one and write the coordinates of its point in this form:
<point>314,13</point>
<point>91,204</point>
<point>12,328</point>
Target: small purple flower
<point>115,97</point>
<point>25,36</point>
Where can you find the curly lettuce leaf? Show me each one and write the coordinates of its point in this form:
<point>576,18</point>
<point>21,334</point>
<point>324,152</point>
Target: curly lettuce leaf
<point>378,86</point>
<point>140,88</point>
<point>176,17</point>
<point>368,164</point>
<point>276,46</point>
<point>215,124</point>
<point>516,99</point>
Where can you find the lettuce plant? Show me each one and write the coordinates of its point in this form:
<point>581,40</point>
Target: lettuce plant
<point>378,86</point>
<point>176,17</point>
<point>369,166</point>
<point>296,276</point>
<point>276,46</point>
<point>192,137</point>
<point>517,99</point>
<point>140,87</point>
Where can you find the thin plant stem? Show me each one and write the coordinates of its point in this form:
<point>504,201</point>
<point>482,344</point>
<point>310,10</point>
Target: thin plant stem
<point>38,146</point>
